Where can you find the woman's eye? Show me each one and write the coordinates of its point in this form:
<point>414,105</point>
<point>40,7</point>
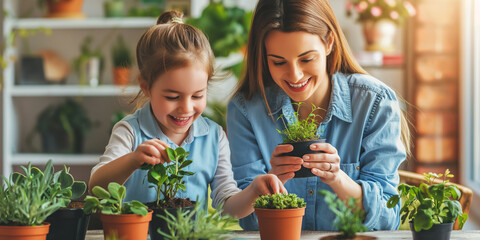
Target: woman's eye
<point>171,98</point>
<point>307,60</point>
<point>278,63</point>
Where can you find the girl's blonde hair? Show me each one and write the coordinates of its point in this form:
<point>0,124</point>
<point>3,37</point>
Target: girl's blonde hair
<point>169,45</point>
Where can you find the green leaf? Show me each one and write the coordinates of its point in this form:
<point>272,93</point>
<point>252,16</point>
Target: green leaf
<point>78,189</point>
<point>114,189</point>
<point>100,192</point>
<point>393,201</point>
<point>171,154</point>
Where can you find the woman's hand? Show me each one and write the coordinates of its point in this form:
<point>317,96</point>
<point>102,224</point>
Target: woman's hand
<point>284,167</point>
<point>325,165</point>
<point>267,184</point>
<point>151,152</point>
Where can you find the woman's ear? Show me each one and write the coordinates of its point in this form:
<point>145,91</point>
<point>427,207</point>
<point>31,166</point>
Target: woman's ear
<point>330,40</point>
<point>144,86</point>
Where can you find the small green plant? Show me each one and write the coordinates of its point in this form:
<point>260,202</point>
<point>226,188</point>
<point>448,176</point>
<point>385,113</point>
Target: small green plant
<point>349,217</point>
<point>28,199</point>
<point>279,201</point>
<point>197,224</point>
<point>167,178</point>
<point>112,201</point>
<point>301,130</point>
<point>121,55</point>
<point>430,203</point>
<point>64,187</point>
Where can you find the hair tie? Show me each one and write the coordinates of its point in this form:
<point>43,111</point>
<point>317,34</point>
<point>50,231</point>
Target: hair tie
<point>176,20</point>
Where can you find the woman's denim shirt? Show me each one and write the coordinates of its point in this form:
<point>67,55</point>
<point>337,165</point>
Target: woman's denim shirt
<point>362,122</point>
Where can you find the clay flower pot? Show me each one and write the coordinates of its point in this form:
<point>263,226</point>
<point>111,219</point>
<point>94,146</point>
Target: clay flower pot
<point>121,75</point>
<point>300,149</point>
<point>65,9</point>
<point>126,226</point>
<point>24,232</point>
<point>379,35</point>
<point>280,224</point>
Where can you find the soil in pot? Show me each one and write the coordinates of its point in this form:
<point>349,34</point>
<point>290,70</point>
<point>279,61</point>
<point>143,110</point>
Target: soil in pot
<point>300,149</point>
<point>436,232</point>
<point>172,205</point>
<point>68,223</point>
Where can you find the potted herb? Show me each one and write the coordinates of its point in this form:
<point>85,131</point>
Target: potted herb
<point>89,64</point>
<point>24,206</point>
<point>63,8</point>
<point>122,62</point>
<point>301,134</point>
<point>184,225</point>
<point>127,220</point>
<point>430,208</point>
<point>167,179</point>
<point>349,217</point>
<point>280,216</point>
<point>63,127</point>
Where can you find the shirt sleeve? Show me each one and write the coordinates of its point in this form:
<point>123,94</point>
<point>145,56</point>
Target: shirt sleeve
<point>121,142</point>
<point>223,185</point>
<point>383,152</point>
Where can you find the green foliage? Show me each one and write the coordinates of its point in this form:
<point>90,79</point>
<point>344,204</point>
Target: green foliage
<point>167,178</point>
<point>226,27</point>
<point>349,217</point>
<point>300,130</point>
<point>28,199</point>
<point>87,52</point>
<point>430,203</point>
<point>64,187</point>
<point>121,55</point>
<point>217,112</point>
<point>279,201</point>
<point>206,226</point>
<point>112,201</point>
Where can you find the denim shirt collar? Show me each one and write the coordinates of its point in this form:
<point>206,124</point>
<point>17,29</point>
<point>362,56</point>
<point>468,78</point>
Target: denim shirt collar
<point>149,126</point>
<point>340,104</point>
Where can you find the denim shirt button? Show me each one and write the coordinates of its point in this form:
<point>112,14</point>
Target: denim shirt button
<point>358,167</point>
<point>310,192</point>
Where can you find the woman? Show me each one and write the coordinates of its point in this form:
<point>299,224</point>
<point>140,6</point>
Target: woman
<point>298,53</point>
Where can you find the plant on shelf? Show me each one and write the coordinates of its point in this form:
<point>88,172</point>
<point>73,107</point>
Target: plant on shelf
<point>63,8</point>
<point>279,216</point>
<point>301,133</point>
<point>430,208</point>
<point>167,179</point>
<point>89,64</point>
<point>129,220</point>
<point>393,10</point>
<point>122,62</point>
<point>25,203</point>
<point>197,224</point>
<point>349,216</point>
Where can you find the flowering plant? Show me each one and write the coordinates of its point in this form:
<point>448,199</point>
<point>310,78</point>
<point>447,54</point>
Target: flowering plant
<point>393,10</point>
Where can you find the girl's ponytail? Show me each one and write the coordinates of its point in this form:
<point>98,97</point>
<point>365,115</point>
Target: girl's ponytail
<point>172,16</point>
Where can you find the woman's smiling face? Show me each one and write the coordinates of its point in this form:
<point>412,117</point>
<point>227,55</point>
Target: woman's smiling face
<point>297,63</point>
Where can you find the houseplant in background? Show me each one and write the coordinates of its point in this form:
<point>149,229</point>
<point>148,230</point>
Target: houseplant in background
<point>301,134</point>
<point>127,220</point>
<point>279,216</point>
<point>89,64</point>
<point>63,8</point>
<point>349,217</point>
<point>167,179</point>
<point>430,208</point>
<point>122,62</point>
<point>379,19</point>
<point>114,8</point>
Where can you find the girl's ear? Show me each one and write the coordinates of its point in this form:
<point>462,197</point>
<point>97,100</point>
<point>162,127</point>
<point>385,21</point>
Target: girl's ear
<point>330,43</point>
<point>144,86</point>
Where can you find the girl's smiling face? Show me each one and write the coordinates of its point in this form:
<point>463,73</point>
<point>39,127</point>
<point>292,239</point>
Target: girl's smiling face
<point>178,97</point>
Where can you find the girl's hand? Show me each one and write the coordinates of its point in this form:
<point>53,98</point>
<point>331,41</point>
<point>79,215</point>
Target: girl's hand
<point>267,184</point>
<point>151,152</point>
<point>284,166</point>
<point>325,165</point>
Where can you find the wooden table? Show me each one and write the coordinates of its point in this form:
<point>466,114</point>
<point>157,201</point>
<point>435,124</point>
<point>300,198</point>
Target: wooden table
<point>314,235</point>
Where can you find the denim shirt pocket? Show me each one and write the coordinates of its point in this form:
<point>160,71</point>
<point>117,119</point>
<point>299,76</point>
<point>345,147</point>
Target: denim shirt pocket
<point>351,169</point>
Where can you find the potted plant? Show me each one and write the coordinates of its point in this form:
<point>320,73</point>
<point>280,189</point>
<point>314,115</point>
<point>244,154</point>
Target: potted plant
<point>114,8</point>
<point>127,220</point>
<point>63,8</point>
<point>63,127</point>
<point>349,217</point>
<point>431,209</point>
<point>122,62</point>
<point>89,64</point>
<point>197,224</point>
<point>301,134</point>
<point>24,206</point>
<point>279,216</point>
<point>70,221</point>
<point>167,179</point>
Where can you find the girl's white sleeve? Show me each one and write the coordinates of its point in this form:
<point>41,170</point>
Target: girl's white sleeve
<point>223,185</point>
<point>120,143</point>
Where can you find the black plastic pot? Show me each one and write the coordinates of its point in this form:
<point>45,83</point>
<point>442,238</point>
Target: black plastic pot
<point>300,149</point>
<point>68,223</point>
<point>436,232</point>
<point>158,222</point>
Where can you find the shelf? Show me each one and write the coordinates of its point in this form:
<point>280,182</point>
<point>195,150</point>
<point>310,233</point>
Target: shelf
<point>88,23</point>
<point>71,90</point>
<point>58,159</point>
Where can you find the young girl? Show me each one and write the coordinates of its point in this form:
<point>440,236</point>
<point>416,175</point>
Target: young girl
<point>176,62</point>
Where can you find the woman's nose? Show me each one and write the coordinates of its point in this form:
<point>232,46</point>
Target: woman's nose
<point>296,73</point>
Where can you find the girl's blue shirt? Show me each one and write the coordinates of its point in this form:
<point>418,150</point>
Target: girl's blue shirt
<point>363,122</point>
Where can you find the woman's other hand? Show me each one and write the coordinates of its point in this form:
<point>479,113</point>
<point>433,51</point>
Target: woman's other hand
<point>325,165</point>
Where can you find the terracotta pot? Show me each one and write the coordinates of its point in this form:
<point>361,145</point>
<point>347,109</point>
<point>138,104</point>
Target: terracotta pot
<point>379,35</point>
<point>126,226</point>
<point>280,224</point>
<point>300,149</point>
<point>24,232</point>
<point>65,9</point>
<point>121,75</point>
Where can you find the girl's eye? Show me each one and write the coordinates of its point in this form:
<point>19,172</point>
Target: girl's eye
<point>171,98</point>
<point>198,97</point>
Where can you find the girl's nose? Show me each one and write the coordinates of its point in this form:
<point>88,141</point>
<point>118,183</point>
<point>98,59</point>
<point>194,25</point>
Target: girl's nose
<point>187,105</point>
